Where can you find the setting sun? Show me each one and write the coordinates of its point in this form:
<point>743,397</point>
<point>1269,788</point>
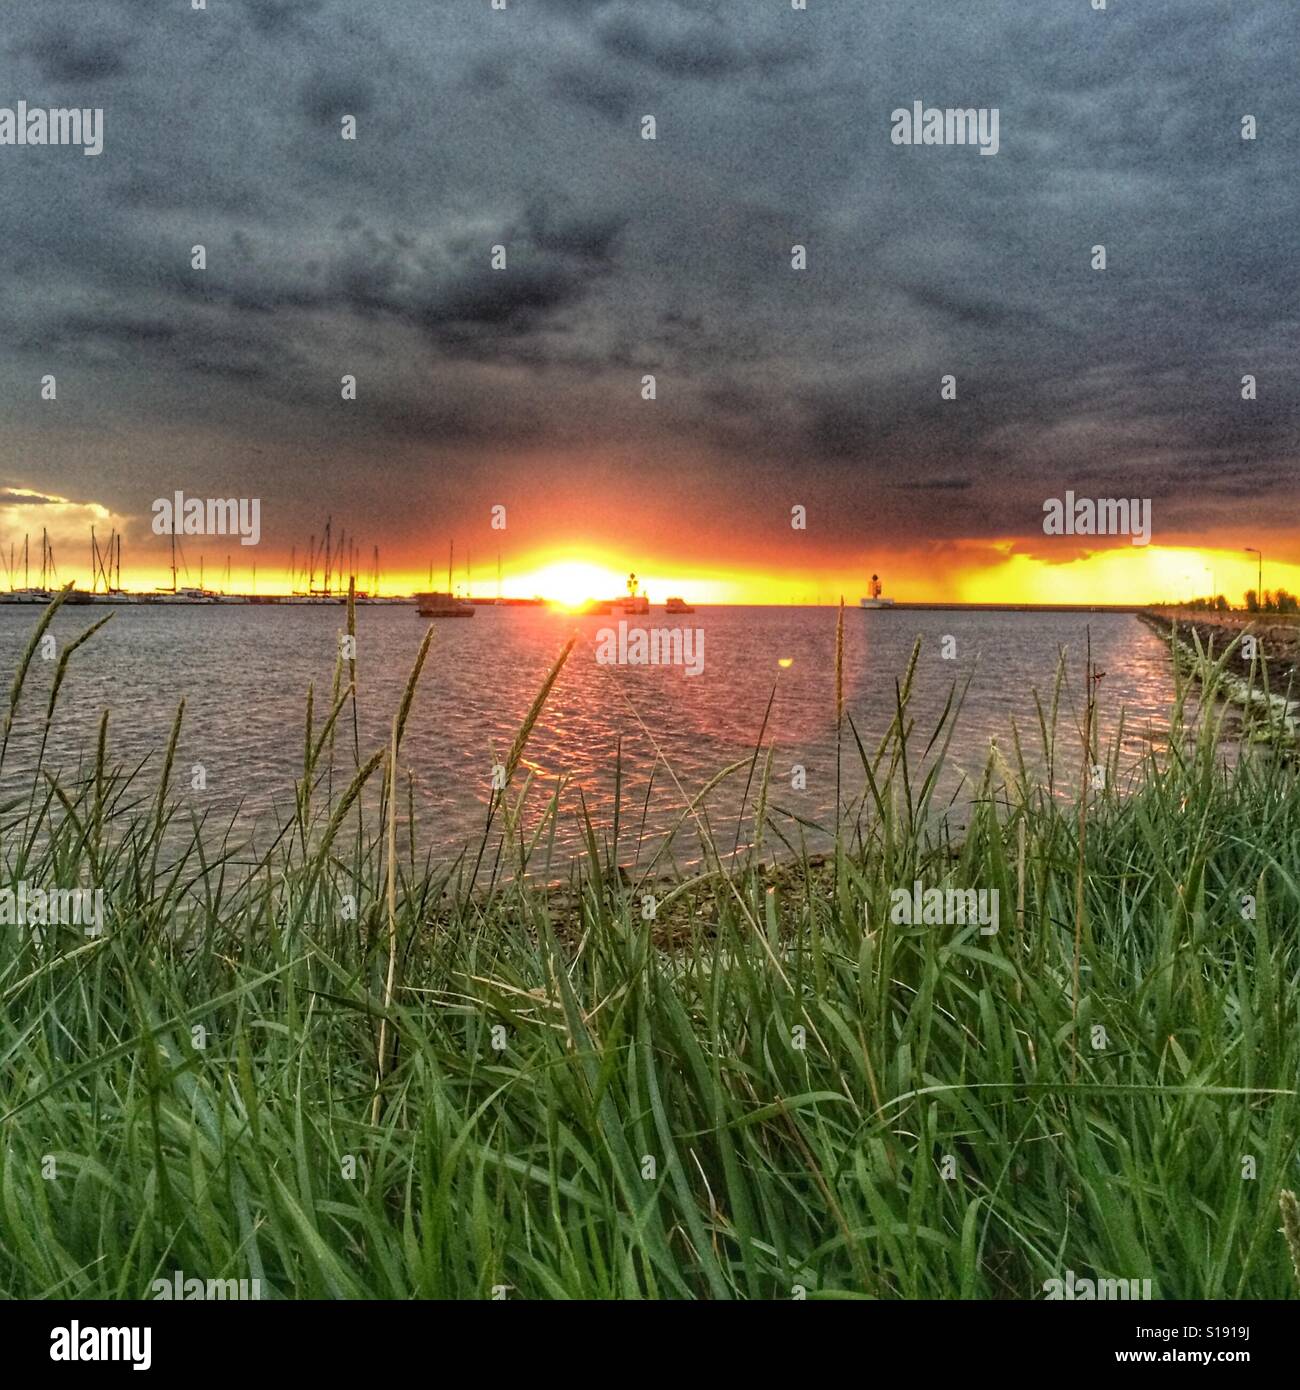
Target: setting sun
<point>569,583</point>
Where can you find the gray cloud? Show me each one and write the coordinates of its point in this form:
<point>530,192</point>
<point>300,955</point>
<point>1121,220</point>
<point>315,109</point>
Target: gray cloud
<point>592,86</point>
<point>277,17</point>
<point>63,54</point>
<point>682,44</point>
<point>8,496</point>
<point>326,97</point>
<point>627,256</point>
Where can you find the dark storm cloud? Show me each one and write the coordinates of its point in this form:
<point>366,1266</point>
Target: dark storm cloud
<point>65,54</point>
<point>326,97</point>
<point>590,85</point>
<point>447,292</point>
<point>686,45</point>
<point>521,128</point>
<point>588,236</point>
<point>489,75</point>
<point>992,315</point>
<point>514,304</point>
<point>133,332</point>
<point>279,17</point>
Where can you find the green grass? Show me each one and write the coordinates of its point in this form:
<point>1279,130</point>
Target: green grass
<point>764,1106</point>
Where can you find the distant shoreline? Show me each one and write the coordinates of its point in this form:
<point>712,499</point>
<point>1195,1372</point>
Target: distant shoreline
<point>288,601</point>
<point>1009,607</point>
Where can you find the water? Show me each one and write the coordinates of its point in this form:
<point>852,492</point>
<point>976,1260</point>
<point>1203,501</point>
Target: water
<point>244,674</point>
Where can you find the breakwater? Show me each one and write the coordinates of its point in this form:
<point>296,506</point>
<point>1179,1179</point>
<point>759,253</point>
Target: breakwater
<point>1278,638</point>
<point>1262,677</point>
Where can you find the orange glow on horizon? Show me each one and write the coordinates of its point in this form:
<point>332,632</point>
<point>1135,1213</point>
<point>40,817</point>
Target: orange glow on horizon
<point>963,571</point>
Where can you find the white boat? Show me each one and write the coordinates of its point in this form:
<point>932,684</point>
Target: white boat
<point>42,596</point>
<point>874,600</point>
<point>187,595</point>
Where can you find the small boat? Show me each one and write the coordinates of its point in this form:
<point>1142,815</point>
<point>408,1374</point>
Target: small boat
<point>875,601</point>
<point>443,605</point>
<point>30,595</point>
<point>440,605</point>
<point>186,595</point>
<point>677,605</point>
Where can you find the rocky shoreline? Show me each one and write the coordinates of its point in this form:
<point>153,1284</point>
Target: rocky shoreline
<point>1279,641</point>
<point>1260,694</point>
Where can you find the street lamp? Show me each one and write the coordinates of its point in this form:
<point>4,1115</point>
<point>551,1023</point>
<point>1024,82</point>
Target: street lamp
<point>1259,583</point>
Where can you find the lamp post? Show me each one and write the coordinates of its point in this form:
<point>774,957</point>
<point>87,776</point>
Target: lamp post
<point>1259,583</point>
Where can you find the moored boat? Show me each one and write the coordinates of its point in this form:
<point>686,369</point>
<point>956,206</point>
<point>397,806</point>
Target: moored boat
<point>29,595</point>
<point>438,605</point>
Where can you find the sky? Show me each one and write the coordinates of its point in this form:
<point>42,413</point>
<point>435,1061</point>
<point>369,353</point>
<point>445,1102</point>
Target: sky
<point>775,388</point>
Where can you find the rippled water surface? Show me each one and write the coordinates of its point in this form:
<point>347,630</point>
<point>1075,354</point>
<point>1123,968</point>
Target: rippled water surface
<point>244,674</point>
